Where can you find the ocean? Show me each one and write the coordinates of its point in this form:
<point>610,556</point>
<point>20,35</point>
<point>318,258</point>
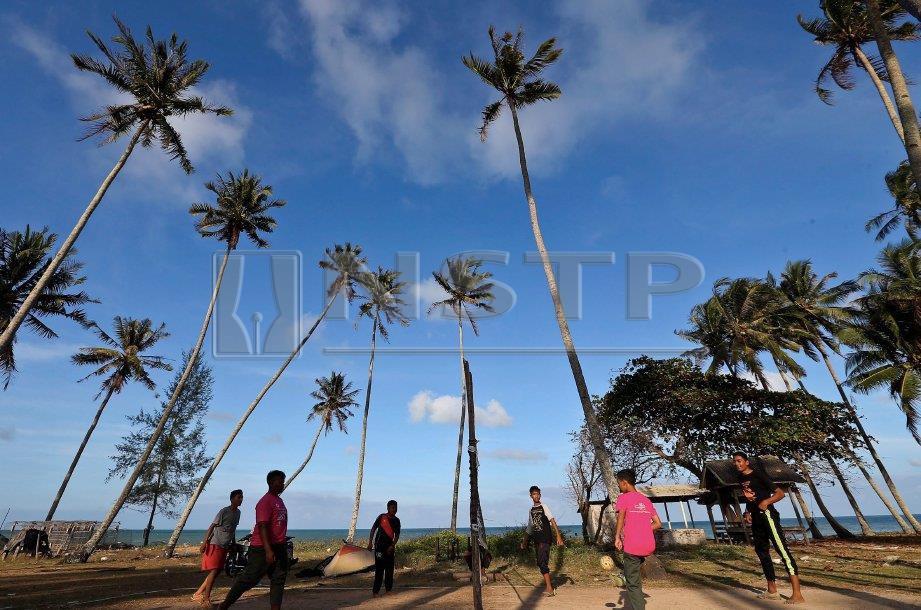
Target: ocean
<point>880,523</point>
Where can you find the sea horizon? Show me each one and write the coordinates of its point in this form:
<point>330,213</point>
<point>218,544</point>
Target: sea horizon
<point>879,523</point>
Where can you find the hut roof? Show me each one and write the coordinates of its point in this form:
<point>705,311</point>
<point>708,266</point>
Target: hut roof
<point>670,493</point>
<point>722,473</point>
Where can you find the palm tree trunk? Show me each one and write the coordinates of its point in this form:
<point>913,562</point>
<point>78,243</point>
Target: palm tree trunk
<point>174,537</point>
<point>307,459</point>
<point>865,528</point>
<point>73,464</point>
<point>588,410</point>
<point>153,509</point>
<point>476,513</point>
<point>353,523</point>
<point>856,461</point>
<point>871,448</point>
<point>164,417</point>
<point>900,92</point>
<point>460,434</point>
<point>839,529</point>
<point>881,89</point>
<point>807,515</point>
<point>6,339</point>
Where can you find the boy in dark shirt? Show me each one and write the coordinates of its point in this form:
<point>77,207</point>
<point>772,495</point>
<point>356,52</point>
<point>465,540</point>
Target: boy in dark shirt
<point>383,540</point>
<point>541,529</point>
<point>760,495</point>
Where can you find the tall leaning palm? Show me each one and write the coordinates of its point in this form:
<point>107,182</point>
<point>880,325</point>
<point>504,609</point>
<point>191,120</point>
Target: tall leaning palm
<point>119,360</point>
<point>23,259</point>
<point>241,207</point>
<point>348,265</point>
<point>157,75</point>
<point>846,26</point>
<point>383,304</point>
<point>882,19</point>
<point>335,397</point>
<point>518,82</point>
<point>467,288</point>
<point>823,315</point>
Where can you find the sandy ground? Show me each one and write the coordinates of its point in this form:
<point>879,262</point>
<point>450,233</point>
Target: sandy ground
<point>502,595</point>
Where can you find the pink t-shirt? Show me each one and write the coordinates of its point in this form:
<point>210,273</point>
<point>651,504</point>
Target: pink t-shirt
<point>271,511</point>
<point>639,511</point>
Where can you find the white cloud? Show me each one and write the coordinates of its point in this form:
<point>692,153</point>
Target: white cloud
<point>517,455</point>
<point>446,410</point>
<point>392,93</point>
<point>915,463</point>
<point>44,352</point>
<point>272,439</point>
<point>208,138</point>
<point>387,93</point>
<point>221,416</point>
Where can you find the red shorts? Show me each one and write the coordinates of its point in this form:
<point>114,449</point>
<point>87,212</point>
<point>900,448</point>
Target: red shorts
<point>213,558</point>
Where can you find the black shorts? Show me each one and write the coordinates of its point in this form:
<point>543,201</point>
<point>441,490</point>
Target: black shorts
<point>542,552</point>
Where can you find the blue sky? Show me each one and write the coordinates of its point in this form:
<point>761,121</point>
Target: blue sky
<point>682,128</point>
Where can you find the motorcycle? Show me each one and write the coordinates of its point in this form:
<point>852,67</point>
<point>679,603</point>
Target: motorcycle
<point>236,555</point>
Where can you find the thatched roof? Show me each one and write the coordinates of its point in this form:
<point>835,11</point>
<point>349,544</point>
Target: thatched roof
<point>723,473</point>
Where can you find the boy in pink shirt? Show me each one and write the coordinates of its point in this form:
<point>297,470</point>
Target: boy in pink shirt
<point>636,520</point>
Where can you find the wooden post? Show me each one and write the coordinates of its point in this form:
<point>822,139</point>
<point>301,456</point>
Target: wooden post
<point>667,518</point>
<point>712,523</point>
<point>748,535</point>
<point>683,514</point>
<point>691,513</point>
<point>476,514</point>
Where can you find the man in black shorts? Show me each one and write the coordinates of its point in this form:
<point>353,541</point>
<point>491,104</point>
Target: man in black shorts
<point>541,529</point>
<point>760,496</point>
<point>385,532</point>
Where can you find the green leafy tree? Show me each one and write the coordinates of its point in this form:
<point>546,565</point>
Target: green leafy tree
<point>383,305</point>
<point>348,265</point>
<point>519,84</point>
<point>468,288</point>
<point>156,75</point>
<point>242,206</point>
<point>170,473</point>
<point>23,259</point>
<point>120,359</point>
<point>335,397</point>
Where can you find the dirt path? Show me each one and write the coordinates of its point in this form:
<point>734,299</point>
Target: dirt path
<point>502,596</point>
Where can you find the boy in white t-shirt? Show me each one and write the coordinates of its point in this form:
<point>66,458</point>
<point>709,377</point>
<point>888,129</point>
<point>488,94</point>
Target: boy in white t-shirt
<point>540,524</point>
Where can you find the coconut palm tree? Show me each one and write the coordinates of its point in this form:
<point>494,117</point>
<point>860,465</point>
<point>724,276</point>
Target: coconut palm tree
<point>467,287</point>
<point>912,7</point>
<point>907,210</point>
<point>886,335</point>
<point>119,360</point>
<point>846,26</point>
<point>156,75</point>
<point>241,207</point>
<point>518,82</point>
<point>822,316</point>
<point>882,17</point>
<point>383,304</point>
<point>348,265</point>
<point>23,259</point>
<point>335,396</point>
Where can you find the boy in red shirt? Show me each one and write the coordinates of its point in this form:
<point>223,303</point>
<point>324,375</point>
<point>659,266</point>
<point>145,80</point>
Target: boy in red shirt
<point>636,520</point>
<point>268,553</point>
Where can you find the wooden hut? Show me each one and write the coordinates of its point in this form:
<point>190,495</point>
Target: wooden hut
<point>720,477</point>
<point>601,520</point>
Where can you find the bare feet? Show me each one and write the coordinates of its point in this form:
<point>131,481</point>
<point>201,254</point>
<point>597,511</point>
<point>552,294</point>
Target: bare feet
<point>795,600</point>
